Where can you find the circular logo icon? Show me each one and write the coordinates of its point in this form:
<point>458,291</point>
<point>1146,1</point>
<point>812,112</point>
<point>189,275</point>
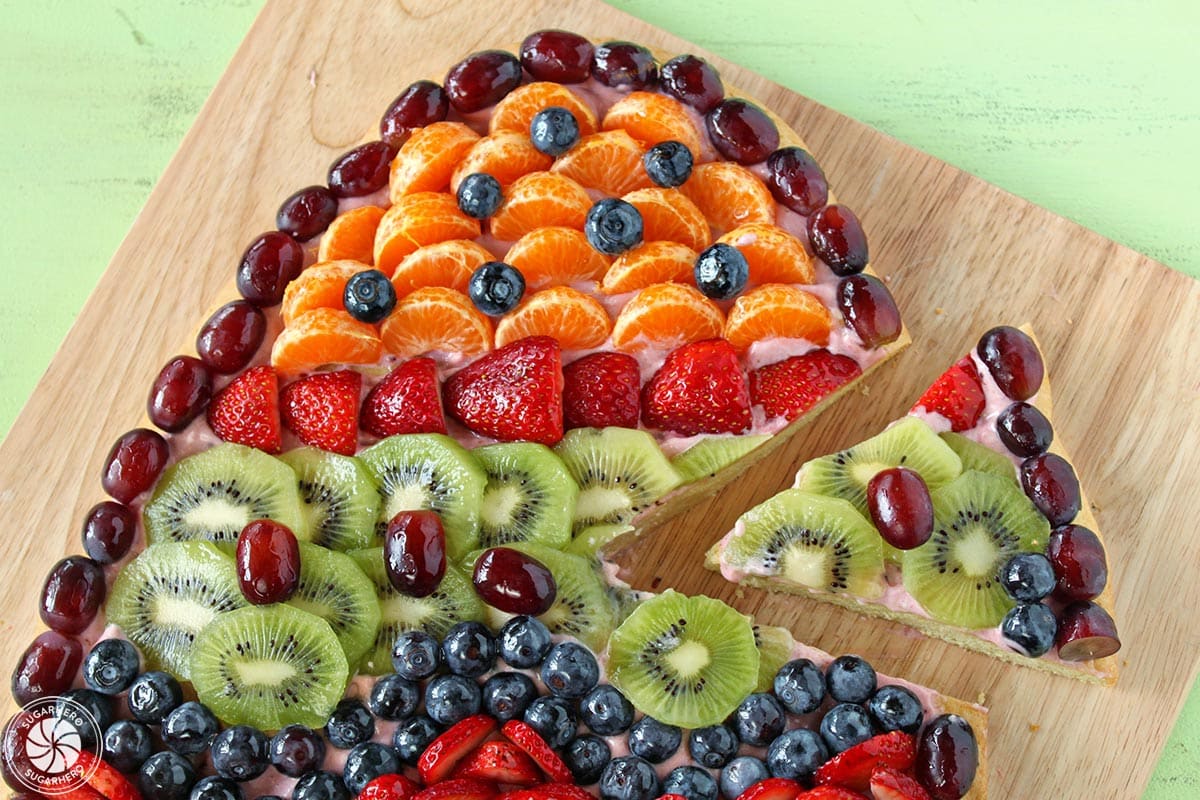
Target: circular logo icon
<point>42,745</point>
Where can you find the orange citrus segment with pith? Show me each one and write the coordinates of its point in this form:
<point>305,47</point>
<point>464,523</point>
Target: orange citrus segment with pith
<point>575,319</point>
<point>517,110</point>
<point>539,199</point>
<point>322,285</point>
<point>351,235</point>
<point>555,255</point>
<point>777,311</point>
<point>666,316</point>
<point>668,215</point>
<point>773,254</point>
<point>325,336</point>
<point>448,264</point>
<point>427,160</point>
<point>436,318</point>
<point>505,156</point>
<point>729,195</point>
<point>653,118</point>
<point>417,220</point>
<point>647,264</point>
<point>609,162</point>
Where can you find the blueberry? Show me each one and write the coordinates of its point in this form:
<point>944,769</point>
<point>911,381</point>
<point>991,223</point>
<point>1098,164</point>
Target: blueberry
<point>241,753</point>
<point>152,696</point>
<point>570,670</point>
<point>553,718</point>
<point>712,746</point>
<point>759,719</point>
<point>320,785</point>
<point>669,164</point>
<point>850,679</point>
<point>800,686</point>
<point>496,288</point>
<point>98,706</point>
<point>721,271</point>
<point>416,655</point>
<point>586,757</point>
<point>369,296</point>
<point>215,788</point>
<point>691,782</point>
<point>296,750</point>
<point>394,697</point>
<point>796,754</point>
<point>166,776</point>
<point>350,724</point>
<point>613,226</point>
<point>367,761</point>
<point>1028,577</point>
<point>479,195</point>
<point>629,778</point>
<point>127,745</point>
<point>1030,628</point>
<point>412,737</point>
<point>554,130</point>
<point>111,666</point>
<point>469,649</point>
<point>524,642</point>
<point>653,740</point>
<point>451,698</point>
<point>844,726</point>
<point>189,729</point>
<point>506,695</point>
<point>740,774</point>
<point>894,708</point>
<point>606,711</point>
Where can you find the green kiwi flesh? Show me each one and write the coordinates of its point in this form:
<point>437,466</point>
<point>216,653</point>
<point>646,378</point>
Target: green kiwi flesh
<point>592,539</point>
<point>976,457</point>
<point>338,498</point>
<point>333,588</point>
<point>530,496</point>
<point>774,650</point>
<point>712,454</point>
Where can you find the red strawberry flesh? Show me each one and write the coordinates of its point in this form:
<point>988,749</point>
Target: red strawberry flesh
<point>888,784</point>
<point>513,393</point>
<point>526,738</point>
<point>548,791</point>
<point>957,395</point>
<point>601,390</point>
<point>852,768</point>
<point>772,789</point>
<point>700,388</point>
<point>791,387</point>
<point>445,752</point>
<point>458,789</point>
<point>104,778</point>
<point>405,401</point>
<point>247,410</point>
<point>389,787</point>
<point>501,762</point>
<point>322,410</point>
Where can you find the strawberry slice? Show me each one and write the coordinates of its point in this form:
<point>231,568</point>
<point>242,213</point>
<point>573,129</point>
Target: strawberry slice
<point>247,410</point>
<point>502,762</point>
<point>445,752</point>
<point>322,410</point>
<point>526,738</point>
<point>888,784</point>
<point>548,791</point>
<point>957,395</point>
<point>700,388</point>
<point>831,793</point>
<point>670,796</point>
<point>405,401</point>
<point>104,778</point>
<point>78,793</point>
<point>601,390</point>
<point>791,387</point>
<point>772,789</point>
<point>389,787</point>
<point>513,393</point>
<point>458,789</point>
<point>852,768</point>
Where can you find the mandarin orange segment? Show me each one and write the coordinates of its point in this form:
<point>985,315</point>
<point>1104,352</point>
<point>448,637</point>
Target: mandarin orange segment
<point>505,156</point>
<point>652,118</point>
<point>729,195</point>
<point>668,215</point>
<point>539,199</point>
<point>610,162</point>
<point>648,264</point>
<point>517,110</point>
<point>666,316</point>
<point>777,310</point>
<point>436,318</point>
<point>320,286</point>
<point>553,256</point>
<point>575,319</point>
<point>448,264</point>
<point>351,236</point>
<point>417,220</point>
<point>774,255</point>
<point>325,336</point>
<point>427,160</point>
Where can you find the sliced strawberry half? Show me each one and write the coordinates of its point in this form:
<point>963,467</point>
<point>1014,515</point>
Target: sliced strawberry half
<point>458,789</point>
<point>526,738</point>
<point>602,390</point>
<point>513,393</point>
<point>888,784</point>
<point>548,791</point>
<point>791,387</point>
<point>502,762</point>
<point>700,388</point>
<point>772,789</point>
<point>247,410</point>
<point>322,410</point>
<point>104,778</point>
<point>852,768</point>
<point>831,793</point>
<point>957,395</point>
<point>445,752</point>
<point>670,796</point>
<point>389,787</point>
<point>405,401</point>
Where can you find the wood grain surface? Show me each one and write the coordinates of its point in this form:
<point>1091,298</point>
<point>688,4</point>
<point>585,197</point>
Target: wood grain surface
<point>961,255</point>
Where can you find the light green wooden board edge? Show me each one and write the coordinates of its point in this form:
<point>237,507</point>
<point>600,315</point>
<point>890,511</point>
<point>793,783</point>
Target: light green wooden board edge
<point>1089,109</point>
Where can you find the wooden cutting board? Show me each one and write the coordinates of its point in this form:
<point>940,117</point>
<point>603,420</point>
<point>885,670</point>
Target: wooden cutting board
<point>1120,334</point>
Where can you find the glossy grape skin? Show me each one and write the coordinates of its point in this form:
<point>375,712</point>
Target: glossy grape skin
<point>414,552</point>
<point>838,239</point>
<point>513,582</point>
<point>72,594</point>
<point>1086,631</point>
<point>796,180</point>
<point>1024,430</point>
<point>947,757</point>
<point>231,336</point>
<point>482,79</point>
<point>307,212</point>
<point>47,667</point>
<point>1013,359</point>
<point>742,131</point>
<point>869,309</point>
<point>268,562</point>
<point>133,464</point>
<point>361,171</point>
<point>1050,482</point>
<point>620,64</point>
<point>180,393</point>
<point>692,80</point>
<point>422,103</point>
<point>270,263</point>
<point>108,532</point>
<point>1080,565</point>
<point>557,55</point>
<point>900,507</point>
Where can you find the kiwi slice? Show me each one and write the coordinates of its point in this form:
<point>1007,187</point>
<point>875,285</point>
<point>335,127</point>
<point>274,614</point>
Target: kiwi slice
<point>774,650</point>
<point>980,521</point>
<point>620,472</point>
<point>589,541</point>
<point>810,539</point>
<point>269,666</point>
<point>333,588</point>
<point>430,471</point>
<point>170,593</point>
<point>452,602</point>
<point>530,496</point>
<point>979,458</point>
<point>339,498</point>
<point>685,661</point>
<point>711,455</point>
<point>213,494</point>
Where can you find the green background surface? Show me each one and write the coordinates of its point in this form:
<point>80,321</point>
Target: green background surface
<point>1090,109</point>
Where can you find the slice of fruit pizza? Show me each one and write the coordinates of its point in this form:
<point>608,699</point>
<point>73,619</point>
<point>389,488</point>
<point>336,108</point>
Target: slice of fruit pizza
<point>964,519</point>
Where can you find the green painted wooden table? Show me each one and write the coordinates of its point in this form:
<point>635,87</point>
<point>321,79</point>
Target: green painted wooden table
<point>1088,109</point>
